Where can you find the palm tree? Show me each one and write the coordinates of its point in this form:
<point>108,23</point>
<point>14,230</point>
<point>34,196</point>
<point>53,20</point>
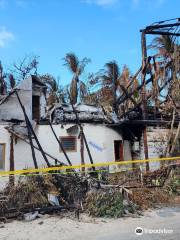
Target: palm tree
<point>76,67</point>
<point>56,93</point>
<point>111,81</point>
<point>119,82</point>
<point>164,44</point>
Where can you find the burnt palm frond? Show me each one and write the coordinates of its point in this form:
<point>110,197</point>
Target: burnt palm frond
<point>50,82</point>
<point>72,62</point>
<point>76,67</point>
<point>82,65</point>
<point>125,76</point>
<point>164,45</point>
<point>83,90</point>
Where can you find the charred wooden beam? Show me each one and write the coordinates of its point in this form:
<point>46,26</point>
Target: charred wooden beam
<point>24,140</point>
<point>127,95</point>
<point>139,104</point>
<point>163,33</point>
<point>159,26</point>
<point>143,92</point>
<point>82,150</point>
<point>29,131</point>
<point>82,131</point>
<point>60,144</point>
<point>121,100</point>
<point>29,125</point>
<point>11,159</point>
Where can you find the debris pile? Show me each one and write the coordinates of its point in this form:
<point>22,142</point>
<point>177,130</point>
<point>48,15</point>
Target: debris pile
<point>47,193</point>
<point>148,198</point>
<point>126,178</point>
<point>115,196</point>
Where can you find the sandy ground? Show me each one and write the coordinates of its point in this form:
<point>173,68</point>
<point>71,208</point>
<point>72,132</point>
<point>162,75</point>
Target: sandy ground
<point>56,227</point>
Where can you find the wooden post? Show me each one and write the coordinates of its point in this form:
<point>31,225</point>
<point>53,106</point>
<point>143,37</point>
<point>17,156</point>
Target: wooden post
<point>144,99</point>
<point>82,150</point>
<point>114,94</point>
<point>11,160</point>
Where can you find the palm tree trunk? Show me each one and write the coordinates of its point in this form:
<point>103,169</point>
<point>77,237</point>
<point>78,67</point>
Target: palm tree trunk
<point>73,90</point>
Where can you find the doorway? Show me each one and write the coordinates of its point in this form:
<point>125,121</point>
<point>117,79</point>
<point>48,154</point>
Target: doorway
<point>36,108</point>
<point>118,150</point>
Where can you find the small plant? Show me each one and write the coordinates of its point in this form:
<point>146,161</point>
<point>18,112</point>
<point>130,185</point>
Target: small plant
<point>105,204</point>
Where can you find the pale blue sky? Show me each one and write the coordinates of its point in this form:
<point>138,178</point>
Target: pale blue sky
<point>102,30</point>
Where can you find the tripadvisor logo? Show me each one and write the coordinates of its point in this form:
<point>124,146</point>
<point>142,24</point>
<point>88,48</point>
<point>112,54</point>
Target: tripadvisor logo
<point>139,231</point>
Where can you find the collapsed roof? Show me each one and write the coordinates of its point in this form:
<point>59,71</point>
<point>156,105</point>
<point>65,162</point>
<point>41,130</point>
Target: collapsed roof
<point>63,113</point>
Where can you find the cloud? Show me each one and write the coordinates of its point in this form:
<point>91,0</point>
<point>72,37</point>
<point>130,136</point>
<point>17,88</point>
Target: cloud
<point>5,37</point>
<point>102,3</point>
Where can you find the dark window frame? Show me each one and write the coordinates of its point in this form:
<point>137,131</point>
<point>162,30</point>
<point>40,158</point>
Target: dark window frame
<point>69,138</point>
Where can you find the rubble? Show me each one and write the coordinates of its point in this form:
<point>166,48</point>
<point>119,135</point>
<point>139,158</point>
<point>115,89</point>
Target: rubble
<point>31,193</point>
<point>112,197</point>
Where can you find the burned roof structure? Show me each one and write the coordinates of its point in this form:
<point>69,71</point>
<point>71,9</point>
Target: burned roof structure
<point>63,113</point>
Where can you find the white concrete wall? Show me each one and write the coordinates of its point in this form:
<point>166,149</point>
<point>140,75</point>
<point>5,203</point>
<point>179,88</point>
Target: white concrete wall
<point>100,140</point>
<point>157,142</point>
<point>11,108</point>
<point>43,106</point>
<point>5,138</point>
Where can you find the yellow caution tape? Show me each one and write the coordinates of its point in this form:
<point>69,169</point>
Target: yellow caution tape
<point>66,173</point>
<point>24,171</point>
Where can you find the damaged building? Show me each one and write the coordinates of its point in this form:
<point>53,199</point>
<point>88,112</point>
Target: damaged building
<point>57,135</point>
<point>104,141</point>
